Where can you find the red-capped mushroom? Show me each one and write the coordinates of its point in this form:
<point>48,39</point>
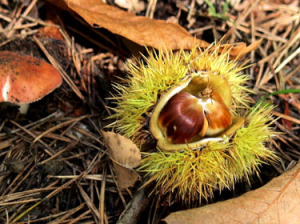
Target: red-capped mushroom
<point>25,79</point>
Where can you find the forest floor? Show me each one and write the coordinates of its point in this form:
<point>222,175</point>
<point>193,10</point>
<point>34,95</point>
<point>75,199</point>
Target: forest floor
<point>54,164</point>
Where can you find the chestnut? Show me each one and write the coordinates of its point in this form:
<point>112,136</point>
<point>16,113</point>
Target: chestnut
<point>185,116</point>
<point>182,118</point>
<point>194,112</point>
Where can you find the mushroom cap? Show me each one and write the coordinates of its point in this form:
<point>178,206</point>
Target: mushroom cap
<point>25,79</point>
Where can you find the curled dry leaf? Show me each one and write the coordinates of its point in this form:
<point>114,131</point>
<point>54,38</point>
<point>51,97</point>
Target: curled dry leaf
<point>142,30</point>
<point>276,202</point>
<point>125,156</point>
<point>158,34</point>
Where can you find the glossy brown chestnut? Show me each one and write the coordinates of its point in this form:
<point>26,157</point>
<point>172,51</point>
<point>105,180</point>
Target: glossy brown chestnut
<point>185,116</point>
<point>217,114</point>
<point>182,118</point>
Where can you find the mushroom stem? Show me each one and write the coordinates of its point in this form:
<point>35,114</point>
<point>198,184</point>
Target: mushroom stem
<point>23,107</point>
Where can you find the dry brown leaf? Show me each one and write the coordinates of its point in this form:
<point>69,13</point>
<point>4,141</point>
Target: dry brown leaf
<point>139,29</point>
<point>148,32</point>
<point>60,4</point>
<point>276,202</point>
<point>50,32</point>
<point>238,50</point>
<point>125,156</point>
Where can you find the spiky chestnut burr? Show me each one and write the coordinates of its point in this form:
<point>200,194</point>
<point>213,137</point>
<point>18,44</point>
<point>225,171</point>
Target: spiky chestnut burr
<point>195,166</point>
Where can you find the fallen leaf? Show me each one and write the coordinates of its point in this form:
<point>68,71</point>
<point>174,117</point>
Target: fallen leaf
<point>50,32</point>
<point>238,50</point>
<point>60,4</point>
<point>125,156</point>
<point>139,29</point>
<point>276,202</point>
<point>142,30</point>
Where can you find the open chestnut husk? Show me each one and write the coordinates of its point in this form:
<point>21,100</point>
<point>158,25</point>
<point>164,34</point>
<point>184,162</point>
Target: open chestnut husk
<point>195,111</point>
<point>194,104</point>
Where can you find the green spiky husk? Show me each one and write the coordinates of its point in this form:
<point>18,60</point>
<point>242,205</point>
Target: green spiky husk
<point>192,174</point>
<point>195,174</point>
<point>148,81</point>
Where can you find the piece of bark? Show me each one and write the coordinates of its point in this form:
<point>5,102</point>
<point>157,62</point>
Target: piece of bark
<point>135,208</point>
